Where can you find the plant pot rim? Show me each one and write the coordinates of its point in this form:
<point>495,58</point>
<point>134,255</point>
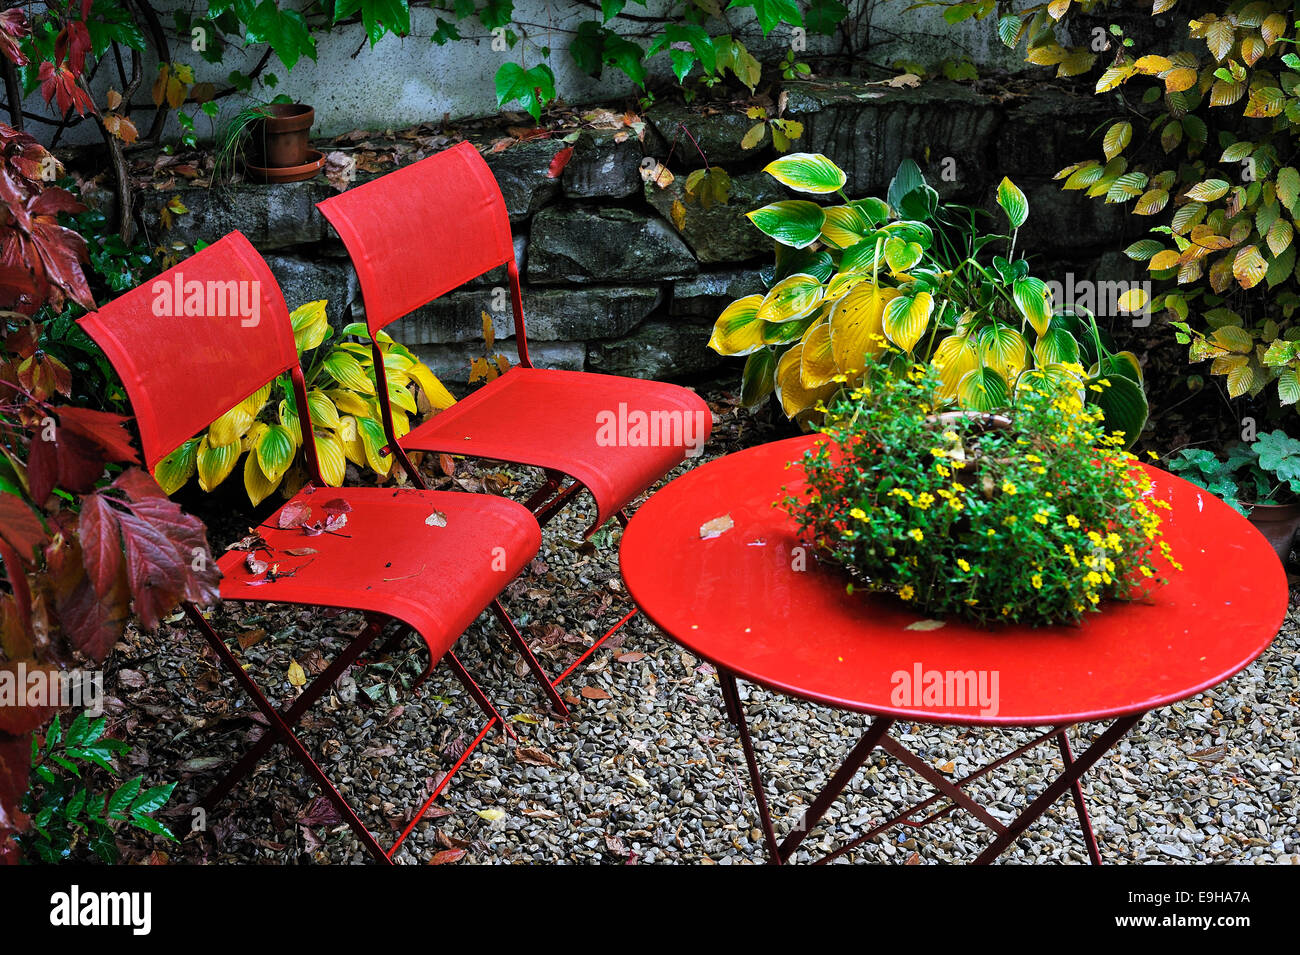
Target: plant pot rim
<point>1273,512</point>
<point>314,164</point>
<point>287,117</point>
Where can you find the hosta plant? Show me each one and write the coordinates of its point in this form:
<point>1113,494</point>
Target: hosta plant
<point>265,429</point>
<point>1203,145</point>
<point>905,279</point>
<point>1036,518</point>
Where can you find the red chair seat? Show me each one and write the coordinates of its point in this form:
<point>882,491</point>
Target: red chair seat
<point>437,579</point>
<point>552,419</point>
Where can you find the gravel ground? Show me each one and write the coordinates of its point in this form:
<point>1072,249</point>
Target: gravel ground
<point>648,769</point>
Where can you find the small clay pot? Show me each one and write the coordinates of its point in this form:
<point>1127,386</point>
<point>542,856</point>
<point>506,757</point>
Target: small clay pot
<point>1278,523</point>
<point>280,139</point>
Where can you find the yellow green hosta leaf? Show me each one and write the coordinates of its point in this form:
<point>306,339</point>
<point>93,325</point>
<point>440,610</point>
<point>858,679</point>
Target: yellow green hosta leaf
<point>865,257</point>
<point>231,426</point>
<point>331,458</point>
<point>758,378</point>
<point>1013,202</point>
<point>738,330</point>
<point>214,463</point>
<point>857,326</point>
<point>256,483</point>
<point>1033,299</point>
<point>347,371</point>
<point>323,412</point>
<point>816,362</point>
<point>842,283</point>
<point>793,222</point>
<point>348,402</point>
<point>249,441</point>
<point>794,397</point>
<point>253,403</point>
<point>309,325</point>
<point>289,420</point>
<point>1055,346</point>
<point>807,172</point>
<point>901,254</point>
<point>1051,380</point>
<point>350,437</point>
<point>983,389</point>
<point>275,451</point>
<point>952,359</point>
<point>1123,403</point>
<point>845,226</point>
<point>791,299</point>
<point>1003,349</point>
<point>401,397</point>
<point>906,319</point>
<point>374,440</point>
<point>783,333</point>
<point>435,392</point>
<point>173,471</point>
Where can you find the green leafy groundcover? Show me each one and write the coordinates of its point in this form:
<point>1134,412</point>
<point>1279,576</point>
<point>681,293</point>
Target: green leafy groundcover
<point>1036,522</point>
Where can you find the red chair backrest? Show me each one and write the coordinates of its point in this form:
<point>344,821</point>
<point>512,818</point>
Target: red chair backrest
<point>194,342</point>
<point>421,231</point>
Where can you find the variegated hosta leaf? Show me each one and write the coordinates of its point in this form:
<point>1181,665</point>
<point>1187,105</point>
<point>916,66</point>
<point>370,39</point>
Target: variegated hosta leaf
<point>758,379</point>
<point>857,326</point>
<point>794,397</point>
<point>865,257</point>
<point>256,483</point>
<point>983,389</point>
<point>231,426</point>
<point>347,371</point>
<point>402,398</point>
<point>907,317</point>
<point>215,462</point>
<point>1055,346</point>
<point>289,419</point>
<point>901,254</point>
<point>309,325</point>
<point>374,441</point>
<point>791,299</point>
<point>254,435</point>
<point>1051,380</point>
<point>738,330</point>
<point>275,451</point>
<point>254,402</point>
<point>323,412</point>
<point>435,392</point>
<point>807,172</point>
<point>1003,349</point>
<point>845,226</point>
<point>793,222</point>
<point>1033,299</point>
<point>952,359</point>
<point>329,455</point>
<point>817,363</point>
<point>875,211</point>
<point>173,471</point>
<point>350,437</point>
<point>841,284</point>
<point>348,402</point>
<point>786,333</point>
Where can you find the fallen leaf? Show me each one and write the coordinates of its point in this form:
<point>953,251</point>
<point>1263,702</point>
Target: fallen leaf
<point>436,519</point>
<point>294,514</point>
<point>491,815</point>
<point>632,657</point>
<point>250,637</point>
<point>297,676</point>
<point>926,625</point>
<point>255,566</point>
<point>594,693</point>
<point>558,162</point>
<point>447,856</point>
<point>301,551</point>
<point>716,527</point>
<point>534,757</point>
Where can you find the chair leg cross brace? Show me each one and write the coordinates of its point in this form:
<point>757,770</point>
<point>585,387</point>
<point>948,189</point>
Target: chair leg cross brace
<point>281,729</point>
<point>877,737</point>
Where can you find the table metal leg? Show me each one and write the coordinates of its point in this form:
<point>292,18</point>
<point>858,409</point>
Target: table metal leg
<point>1074,769</point>
<point>731,697</point>
<point>1080,807</point>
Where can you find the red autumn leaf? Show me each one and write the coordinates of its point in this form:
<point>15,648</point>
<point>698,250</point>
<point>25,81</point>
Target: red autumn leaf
<point>594,693</point>
<point>92,614</point>
<point>60,83</point>
<point>200,574</point>
<point>139,485</point>
<point>294,514</point>
<point>15,764</point>
<point>20,527</point>
<point>558,162</point>
<point>106,430</point>
<point>447,856</point>
<point>13,28</point>
<point>64,459</point>
<point>71,45</point>
<point>337,506</point>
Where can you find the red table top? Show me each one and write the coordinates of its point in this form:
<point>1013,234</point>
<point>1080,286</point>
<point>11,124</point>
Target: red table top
<point>736,601</point>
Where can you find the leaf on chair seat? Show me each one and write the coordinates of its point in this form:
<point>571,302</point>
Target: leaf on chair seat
<point>436,519</point>
<point>294,515</point>
<point>716,527</point>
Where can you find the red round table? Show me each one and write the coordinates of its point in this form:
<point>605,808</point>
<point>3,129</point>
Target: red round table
<point>755,603</point>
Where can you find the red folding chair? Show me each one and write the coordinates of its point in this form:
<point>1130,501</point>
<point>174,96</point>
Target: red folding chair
<point>188,351</point>
<point>423,230</point>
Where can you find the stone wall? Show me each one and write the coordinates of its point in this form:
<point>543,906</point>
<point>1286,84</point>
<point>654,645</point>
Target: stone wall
<point>611,285</point>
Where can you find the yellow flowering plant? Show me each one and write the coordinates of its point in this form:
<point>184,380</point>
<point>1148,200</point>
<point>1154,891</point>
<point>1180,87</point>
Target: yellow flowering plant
<point>1034,517</point>
<point>265,430</point>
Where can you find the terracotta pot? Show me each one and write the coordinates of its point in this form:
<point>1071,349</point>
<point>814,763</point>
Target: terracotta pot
<point>280,140</point>
<point>1278,523</point>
